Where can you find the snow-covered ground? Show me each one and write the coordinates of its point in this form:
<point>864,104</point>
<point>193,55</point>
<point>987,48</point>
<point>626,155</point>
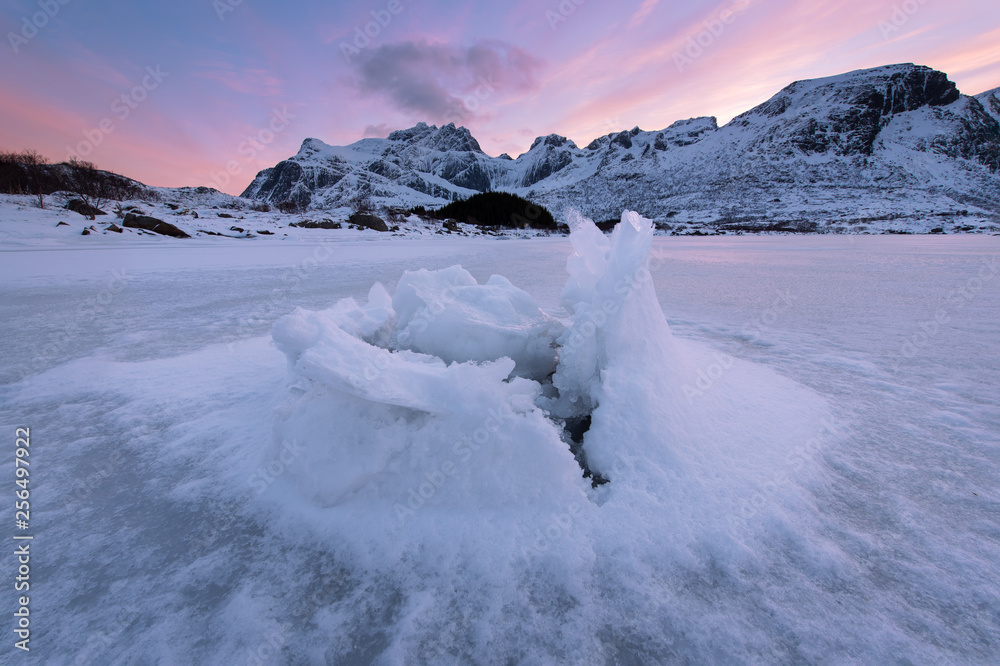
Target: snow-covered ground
<point>215,220</point>
<point>210,218</point>
<point>803,465</point>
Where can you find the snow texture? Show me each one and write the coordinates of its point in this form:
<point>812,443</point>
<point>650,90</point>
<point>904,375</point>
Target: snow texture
<point>802,465</point>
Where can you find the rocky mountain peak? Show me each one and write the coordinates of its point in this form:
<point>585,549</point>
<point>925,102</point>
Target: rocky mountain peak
<point>554,140</point>
<point>843,114</point>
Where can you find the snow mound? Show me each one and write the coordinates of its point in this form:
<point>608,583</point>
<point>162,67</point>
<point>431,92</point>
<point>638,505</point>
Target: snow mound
<point>409,393</point>
<point>450,404</point>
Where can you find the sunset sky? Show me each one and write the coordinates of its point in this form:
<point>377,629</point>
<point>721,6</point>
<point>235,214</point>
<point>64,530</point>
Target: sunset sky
<point>170,93</point>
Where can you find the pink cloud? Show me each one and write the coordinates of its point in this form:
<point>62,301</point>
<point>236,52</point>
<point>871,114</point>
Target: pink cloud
<point>645,9</point>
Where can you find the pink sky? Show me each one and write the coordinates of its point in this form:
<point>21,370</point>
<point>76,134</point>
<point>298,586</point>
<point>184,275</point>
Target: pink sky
<point>215,82</point>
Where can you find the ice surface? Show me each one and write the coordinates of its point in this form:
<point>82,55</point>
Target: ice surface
<point>802,465</point>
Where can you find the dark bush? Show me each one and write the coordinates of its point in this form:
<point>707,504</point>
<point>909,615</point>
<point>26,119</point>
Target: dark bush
<point>28,173</point>
<point>498,209</point>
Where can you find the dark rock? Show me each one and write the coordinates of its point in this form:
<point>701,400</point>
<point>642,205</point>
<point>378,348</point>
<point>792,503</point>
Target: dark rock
<point>325,223</point>
<point>236,229</point>
<point>62,224</point>
<point>152,224</point>
<point>367,221</point>
<point>451,224</point>
<point>83,208</point>
<point>115,228</point>
<point>937,230</point>
<point>86,232</point>
<point>265,232</point>
<point>173,206</point>
<point>623,139</point>
<point>227,215</point>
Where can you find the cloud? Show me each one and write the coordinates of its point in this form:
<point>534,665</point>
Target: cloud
<point>645,9</point>
<point>442,82</point>
<point>377,131</point>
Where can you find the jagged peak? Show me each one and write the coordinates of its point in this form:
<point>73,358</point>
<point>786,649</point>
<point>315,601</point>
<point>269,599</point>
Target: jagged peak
<point>446,137</point>
<point>554,140</point>
<point>418,130</point>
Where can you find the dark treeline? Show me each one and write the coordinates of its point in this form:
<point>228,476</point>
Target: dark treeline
<point>497,209</point>
<point>27,172</point>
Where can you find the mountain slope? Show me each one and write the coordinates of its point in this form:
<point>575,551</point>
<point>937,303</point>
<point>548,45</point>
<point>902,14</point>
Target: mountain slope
<point>899,140</point>
<point>991,102</point>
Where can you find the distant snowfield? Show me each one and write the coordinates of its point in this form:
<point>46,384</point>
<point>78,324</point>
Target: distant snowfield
<point>803,467</point>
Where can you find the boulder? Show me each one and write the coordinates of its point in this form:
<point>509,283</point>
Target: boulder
<point>367,221</point>
<point>325,223</point>
<point>115,228</point>
<point>148,223</point>
<point>83,208</point>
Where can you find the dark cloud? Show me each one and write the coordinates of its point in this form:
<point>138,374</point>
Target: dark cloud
<point>445,83</point>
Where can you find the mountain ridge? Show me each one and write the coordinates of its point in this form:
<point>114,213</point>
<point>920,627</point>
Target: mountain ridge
<point>891,140</point>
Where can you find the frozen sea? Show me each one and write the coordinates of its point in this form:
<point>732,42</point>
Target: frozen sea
<point>152,388</point>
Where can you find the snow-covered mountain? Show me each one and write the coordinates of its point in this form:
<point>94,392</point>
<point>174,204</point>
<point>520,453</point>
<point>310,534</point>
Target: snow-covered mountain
<point>991,102</point>
<point>876,144</point>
